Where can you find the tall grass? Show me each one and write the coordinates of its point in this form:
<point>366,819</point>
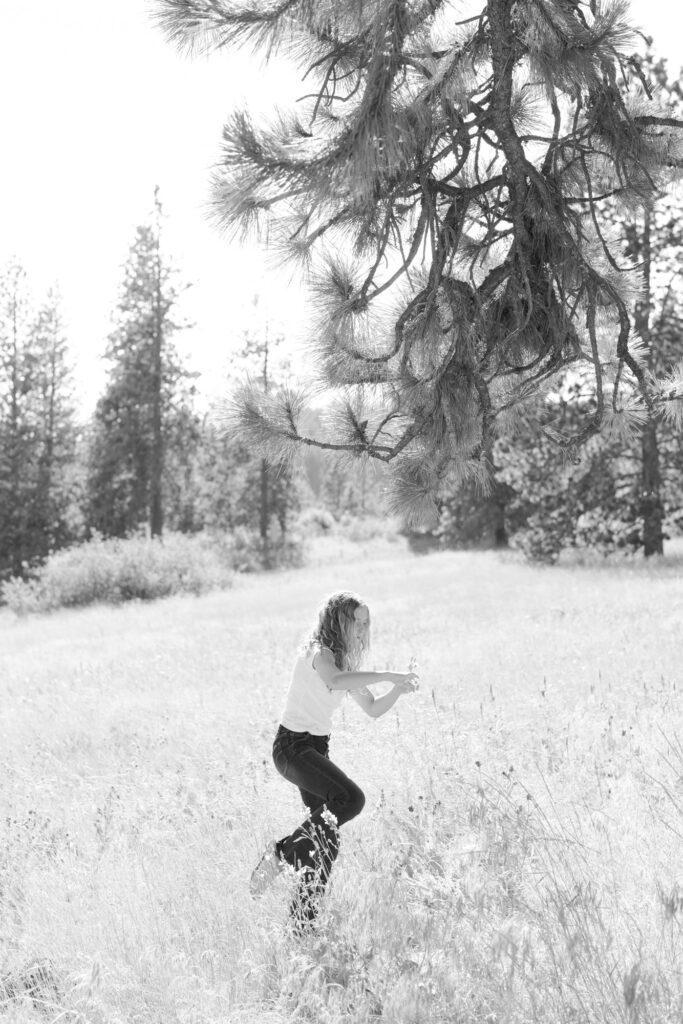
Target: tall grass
<point>518,859</point>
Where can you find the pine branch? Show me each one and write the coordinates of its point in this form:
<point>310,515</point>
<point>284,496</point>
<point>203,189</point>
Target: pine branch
<point>202,26</point>
<point>460,183</point>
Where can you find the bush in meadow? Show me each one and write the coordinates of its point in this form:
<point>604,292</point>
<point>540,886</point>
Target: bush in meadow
<point>316,521</point>
<point>360,529</point>
<point>116,570</point>
<point>243,549</point>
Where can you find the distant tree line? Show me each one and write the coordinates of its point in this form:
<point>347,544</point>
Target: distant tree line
<point>146,460</point>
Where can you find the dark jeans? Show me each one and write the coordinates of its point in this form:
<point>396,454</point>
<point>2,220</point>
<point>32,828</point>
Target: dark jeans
<point>332,799</point>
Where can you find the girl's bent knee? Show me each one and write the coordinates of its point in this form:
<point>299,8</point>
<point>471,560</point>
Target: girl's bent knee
<point>356,801</point>
<point>347,803</point>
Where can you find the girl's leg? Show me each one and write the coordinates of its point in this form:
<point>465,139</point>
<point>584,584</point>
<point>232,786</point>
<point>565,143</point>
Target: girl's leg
<point>311,801</point>
<point>303,908</point>
<point>333,799</point>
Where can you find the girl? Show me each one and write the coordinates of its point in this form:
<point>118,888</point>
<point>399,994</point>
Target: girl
<point>326,669</point>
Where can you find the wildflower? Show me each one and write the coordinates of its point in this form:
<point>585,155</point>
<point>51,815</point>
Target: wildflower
<point>329,818</point>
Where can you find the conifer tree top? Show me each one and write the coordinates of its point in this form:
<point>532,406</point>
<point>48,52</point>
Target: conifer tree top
<point>442,188</point>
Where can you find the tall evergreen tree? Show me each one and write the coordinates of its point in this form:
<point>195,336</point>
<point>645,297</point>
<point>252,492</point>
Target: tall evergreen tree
<point>182,480</point>
<point>235,488</point>
<point>53,408</point>
<point>37,426</point>
<point>272,491</point>
<point>654,241</point>
<point>629,482</point>
<point>443,183</point>
<point>16,429</point>
<point>137,412</point>
<point>245,490</point>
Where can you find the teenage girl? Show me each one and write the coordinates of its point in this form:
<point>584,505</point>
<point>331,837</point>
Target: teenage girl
<point>327,668</point>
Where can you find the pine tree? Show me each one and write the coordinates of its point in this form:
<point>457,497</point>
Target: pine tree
<point>654,242</point>
<point>37,426</point>
<point>16,430</point>
<point>182,464</point>
<point>442,184</point>
<point>265,497</point>
<point>627,484</point>
<point>53,410</point>
<point>135,415</point>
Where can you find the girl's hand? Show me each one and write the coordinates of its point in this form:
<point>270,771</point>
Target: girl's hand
<point>413,676</point>
<point>406,682</point>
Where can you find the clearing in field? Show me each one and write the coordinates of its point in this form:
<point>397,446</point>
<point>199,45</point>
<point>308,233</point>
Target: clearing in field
<point>518,858</point>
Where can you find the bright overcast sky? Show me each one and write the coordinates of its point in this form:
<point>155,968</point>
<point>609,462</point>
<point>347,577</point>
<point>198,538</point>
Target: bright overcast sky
<point>97,108</point>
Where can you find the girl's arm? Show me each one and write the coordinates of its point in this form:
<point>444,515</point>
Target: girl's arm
<point>323,663</point>
<point>376,706</point>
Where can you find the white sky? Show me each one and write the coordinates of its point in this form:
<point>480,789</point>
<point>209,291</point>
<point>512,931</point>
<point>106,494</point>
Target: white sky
<point>97,108</point>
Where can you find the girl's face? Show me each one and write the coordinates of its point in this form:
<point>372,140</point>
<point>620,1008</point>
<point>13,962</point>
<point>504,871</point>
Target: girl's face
<point>360,627</point>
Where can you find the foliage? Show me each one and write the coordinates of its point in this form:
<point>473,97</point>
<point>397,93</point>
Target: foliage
<point>653,242</point>
<point>316,521</point>
<point>146,408</point>
<point>442,186</point>
<point>543,503</point>
<point>243,548</point>
<point>269,494</point>
<point>110,571</point>
<point>230,499</point>
<point>345,485</point>
<point>626,488</point>
<point>238,489</point>
<point>183,453</point>
<point>470,518</point>
<point>38,434</point>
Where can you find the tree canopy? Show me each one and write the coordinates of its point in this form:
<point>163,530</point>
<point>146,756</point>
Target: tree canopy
<point>442,188</point>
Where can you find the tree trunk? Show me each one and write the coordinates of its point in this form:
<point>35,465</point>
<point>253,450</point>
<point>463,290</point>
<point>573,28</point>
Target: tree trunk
<point>650,497</point>
<point>651,481</point>
<point>156,511</point>
<point>500,536</point>
<point>17,532</point>
<point>45,498</point>
<point>264,511</point>
<point>264,516</point>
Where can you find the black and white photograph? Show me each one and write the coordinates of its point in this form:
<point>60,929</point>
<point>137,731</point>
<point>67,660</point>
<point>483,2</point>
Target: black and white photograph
<point>341,512</point>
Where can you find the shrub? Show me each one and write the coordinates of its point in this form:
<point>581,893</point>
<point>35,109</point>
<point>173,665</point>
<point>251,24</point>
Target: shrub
<point>115,570</point>
<point>315,521</point>
<point>544,536</point>
<point>243,549</point>
<point>607,533</point>
<point>368,527</point>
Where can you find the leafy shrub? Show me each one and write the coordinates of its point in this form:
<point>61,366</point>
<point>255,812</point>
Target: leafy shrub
<point>469,518</point>
<point>316,521</point>
<point>544,536</point>
<point>673,522</point>
<point>114,570</point>
<point>243,550</point>
<point>607,533</point>
<point>368,527</point>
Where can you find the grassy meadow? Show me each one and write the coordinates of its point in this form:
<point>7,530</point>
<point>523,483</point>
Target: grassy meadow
<point>519,858</point>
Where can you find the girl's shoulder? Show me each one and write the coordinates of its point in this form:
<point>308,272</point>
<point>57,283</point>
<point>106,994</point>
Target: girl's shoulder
<point>312,647</point>
<point>312,650</point>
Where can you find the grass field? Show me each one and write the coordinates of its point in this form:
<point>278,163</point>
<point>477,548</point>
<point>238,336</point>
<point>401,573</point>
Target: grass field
<point>519,857</point>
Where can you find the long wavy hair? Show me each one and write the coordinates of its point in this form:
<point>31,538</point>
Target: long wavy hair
<point>334,630</point>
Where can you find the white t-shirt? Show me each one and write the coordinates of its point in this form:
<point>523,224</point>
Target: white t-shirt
<point>310,704</point>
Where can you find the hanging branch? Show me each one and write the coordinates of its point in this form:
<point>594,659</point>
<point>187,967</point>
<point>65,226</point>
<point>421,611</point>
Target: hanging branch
<point>475,206</point>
